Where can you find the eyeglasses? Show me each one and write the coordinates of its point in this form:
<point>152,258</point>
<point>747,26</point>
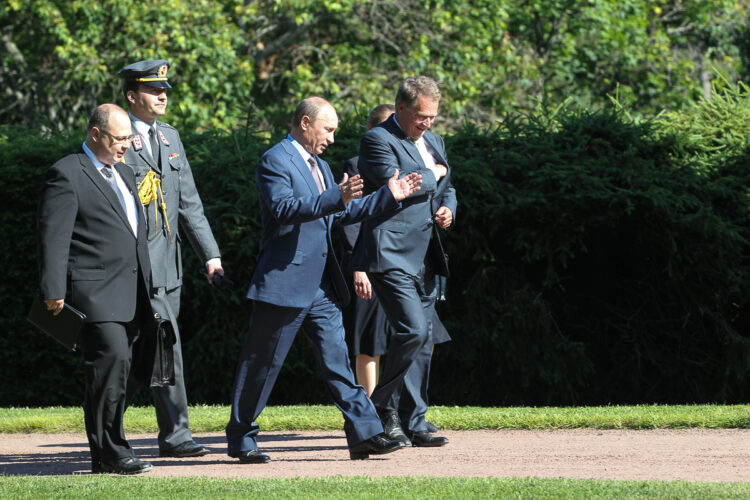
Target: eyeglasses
<point>119,138</point>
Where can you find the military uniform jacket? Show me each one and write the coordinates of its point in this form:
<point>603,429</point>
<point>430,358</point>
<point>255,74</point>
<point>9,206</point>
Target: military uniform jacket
<point>184,207</point>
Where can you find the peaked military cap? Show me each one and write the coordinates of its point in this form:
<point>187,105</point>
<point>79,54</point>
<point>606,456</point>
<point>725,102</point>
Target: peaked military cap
<point>152,73</point>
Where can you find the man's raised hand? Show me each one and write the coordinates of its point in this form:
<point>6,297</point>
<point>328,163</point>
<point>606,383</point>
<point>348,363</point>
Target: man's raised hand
<point>401,188</point>
<point>351,188</point>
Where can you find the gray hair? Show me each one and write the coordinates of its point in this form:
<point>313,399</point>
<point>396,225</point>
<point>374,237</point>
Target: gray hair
<point>415,87</point>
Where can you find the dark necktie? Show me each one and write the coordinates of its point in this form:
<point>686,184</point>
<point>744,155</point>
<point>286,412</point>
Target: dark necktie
<point>110,177</point>
<point>315,171</point>
<point>154,145</point>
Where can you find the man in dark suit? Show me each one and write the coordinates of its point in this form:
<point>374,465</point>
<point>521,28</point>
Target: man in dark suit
<point>393,250</point>
<point>370,329</point>
<point>298,283</point>
<point>93,254</point>
<point>170,197</point>
<point>365,323</point>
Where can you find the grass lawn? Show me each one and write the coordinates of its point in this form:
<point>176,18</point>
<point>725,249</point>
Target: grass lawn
<point>213,419</point>
<point>204,418</point>
<point>111,487</point>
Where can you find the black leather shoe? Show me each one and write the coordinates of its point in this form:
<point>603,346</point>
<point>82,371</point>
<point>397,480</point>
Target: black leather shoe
<point>128,465</point>
<point>426,439</point>
<point>392,428</point>
<point>250,456</point>
<point>185,450</point>
<point>376,445</point>
<point>431,427</point>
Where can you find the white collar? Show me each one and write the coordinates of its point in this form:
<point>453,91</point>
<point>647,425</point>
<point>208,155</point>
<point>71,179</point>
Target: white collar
<point>302,151</point>
<point>99,165</point>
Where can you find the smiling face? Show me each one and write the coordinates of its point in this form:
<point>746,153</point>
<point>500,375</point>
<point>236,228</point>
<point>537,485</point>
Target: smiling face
<point>148,103</point>
<point>417,118</point>
<point>109,142</point>
<point>317,134</point>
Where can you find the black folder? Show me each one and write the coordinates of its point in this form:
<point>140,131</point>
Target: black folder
<point>64,328</point>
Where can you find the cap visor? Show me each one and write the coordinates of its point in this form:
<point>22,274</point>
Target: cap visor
<point>158,85</point>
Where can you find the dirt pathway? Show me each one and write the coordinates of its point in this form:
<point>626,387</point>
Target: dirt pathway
<point>691,455</point>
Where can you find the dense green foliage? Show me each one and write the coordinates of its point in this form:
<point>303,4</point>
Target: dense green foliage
<point>597,258</point>
<point>345,488</point>
<point>234,59</point>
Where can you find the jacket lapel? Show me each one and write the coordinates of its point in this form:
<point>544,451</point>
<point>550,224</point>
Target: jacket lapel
<point>325,169</point>
<point>90,170</point>
<point>436,152</point>
<point>140,150</point>
<point>406,142</point>
<point>300,165</point>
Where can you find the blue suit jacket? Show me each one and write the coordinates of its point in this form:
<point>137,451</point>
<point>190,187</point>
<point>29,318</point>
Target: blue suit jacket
<point>296,247</point>
<point>399,240</point>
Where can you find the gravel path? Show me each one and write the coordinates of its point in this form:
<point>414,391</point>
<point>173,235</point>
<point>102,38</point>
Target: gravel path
<point>691,455</point>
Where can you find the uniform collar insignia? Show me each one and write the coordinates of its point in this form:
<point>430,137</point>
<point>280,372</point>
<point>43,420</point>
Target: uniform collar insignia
<point>163,139</point>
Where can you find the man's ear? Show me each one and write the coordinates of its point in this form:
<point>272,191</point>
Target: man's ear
<point>130,96</point>
<point>304,122</point>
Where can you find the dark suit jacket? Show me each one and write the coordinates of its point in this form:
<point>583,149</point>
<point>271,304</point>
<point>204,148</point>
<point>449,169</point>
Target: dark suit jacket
<point>296,247</point>
<point>399,240</point>
<point>87,251</point>
<point>351,232</point>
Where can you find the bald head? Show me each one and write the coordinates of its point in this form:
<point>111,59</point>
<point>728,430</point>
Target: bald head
<point>108,133</point>
<point>309,107</point>
<point>313,124</point>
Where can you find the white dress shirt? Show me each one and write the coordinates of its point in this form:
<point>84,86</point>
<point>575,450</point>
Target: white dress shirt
<point>129,200</point>
<point>306,156</point>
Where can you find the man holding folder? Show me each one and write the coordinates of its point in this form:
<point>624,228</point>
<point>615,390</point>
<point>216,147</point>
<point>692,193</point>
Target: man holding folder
<point>93,254</point>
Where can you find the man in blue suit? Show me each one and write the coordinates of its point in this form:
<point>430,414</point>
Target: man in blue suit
<point>401,253</point>
<point>298,283</point>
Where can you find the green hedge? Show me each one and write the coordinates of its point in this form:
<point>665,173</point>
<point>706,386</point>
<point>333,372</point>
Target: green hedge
<point>596,259</point>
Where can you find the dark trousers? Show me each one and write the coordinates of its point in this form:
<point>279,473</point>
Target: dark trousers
<point>170,401</point>
<point>269,338</point>
<point>107,353</point>
<point>413,400</point>
<point>408,309</point>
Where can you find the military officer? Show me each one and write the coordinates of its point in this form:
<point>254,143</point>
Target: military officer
<point>170,198</point>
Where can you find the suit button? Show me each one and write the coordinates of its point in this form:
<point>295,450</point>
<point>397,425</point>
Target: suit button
<point>135,270</point>
<point>325,254</point>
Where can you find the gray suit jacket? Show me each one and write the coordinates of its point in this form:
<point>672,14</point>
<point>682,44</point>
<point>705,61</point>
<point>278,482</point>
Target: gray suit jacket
<point>184,207</point>
<point>87,252</point>
<point>399,240</point>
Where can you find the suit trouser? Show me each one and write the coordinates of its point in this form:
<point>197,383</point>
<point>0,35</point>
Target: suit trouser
<point>107,353</point>
<point>413,400</point>
<point>171,401</point>
<point>269,338</point>
<point>401,296</point>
